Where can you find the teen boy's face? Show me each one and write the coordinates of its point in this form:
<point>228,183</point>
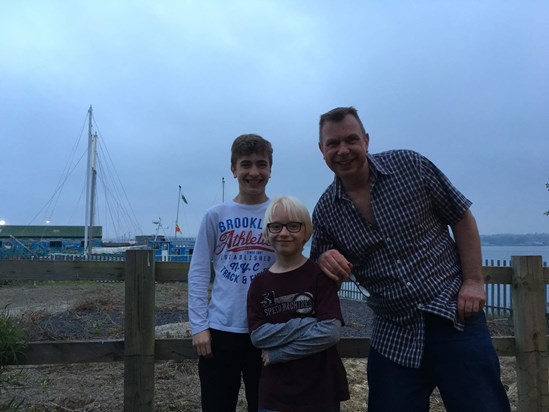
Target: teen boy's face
<point>253,173</point>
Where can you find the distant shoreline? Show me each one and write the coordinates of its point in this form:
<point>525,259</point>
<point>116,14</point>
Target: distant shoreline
<point>515,244</point>
<point>528,240</point>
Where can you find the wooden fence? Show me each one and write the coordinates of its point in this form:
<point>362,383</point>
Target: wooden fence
<point>139,350</point>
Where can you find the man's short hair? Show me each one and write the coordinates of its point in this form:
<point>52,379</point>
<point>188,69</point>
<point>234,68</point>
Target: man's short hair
<point>337,115</point>
<point>247,144</point>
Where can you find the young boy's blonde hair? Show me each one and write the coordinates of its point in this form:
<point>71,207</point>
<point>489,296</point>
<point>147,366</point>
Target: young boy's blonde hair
<point>294,209</point>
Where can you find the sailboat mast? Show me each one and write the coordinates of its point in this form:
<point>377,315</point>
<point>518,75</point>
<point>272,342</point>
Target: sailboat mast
<point>87,223</point>
<point>93,171</point>
<point>91,178</point>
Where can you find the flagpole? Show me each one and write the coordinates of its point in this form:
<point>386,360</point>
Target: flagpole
<point>177,216</point>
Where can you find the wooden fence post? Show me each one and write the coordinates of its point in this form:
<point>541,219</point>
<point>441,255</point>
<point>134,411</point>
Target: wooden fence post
<point>139,331</point>
<point>528,293</point>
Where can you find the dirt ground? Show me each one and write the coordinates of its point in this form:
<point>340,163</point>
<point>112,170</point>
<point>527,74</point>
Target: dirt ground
<point>87,310</point>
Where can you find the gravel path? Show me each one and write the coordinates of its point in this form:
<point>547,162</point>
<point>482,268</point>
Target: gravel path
<point>358,318</point>
<point>109,324</point>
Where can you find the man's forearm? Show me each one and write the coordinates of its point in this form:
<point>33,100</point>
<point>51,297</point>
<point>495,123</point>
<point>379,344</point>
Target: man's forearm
<point>468,243</point>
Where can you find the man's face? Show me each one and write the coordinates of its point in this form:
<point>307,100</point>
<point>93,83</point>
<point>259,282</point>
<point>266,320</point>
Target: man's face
<point>344,147</point>
<point>253,173</point>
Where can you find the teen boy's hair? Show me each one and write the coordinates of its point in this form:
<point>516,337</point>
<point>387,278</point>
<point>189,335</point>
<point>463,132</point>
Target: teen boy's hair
<point>295,210</point>
<point>247,144</point>
<point>337,115</point>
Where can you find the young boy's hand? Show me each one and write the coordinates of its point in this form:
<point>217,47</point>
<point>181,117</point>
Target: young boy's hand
<point>265,357</point>
<point>202,343</point>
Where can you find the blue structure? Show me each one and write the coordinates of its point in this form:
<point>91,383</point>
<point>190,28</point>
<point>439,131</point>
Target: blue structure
<point>67,243</point>
<point>172,250</point>
<point>37,241</point>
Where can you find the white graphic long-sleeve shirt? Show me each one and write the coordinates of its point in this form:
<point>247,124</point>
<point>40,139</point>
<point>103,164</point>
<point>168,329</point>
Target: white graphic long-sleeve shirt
<point>230,237</point>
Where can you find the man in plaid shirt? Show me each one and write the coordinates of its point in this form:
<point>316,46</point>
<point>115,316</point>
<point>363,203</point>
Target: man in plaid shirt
<point>385,220</point>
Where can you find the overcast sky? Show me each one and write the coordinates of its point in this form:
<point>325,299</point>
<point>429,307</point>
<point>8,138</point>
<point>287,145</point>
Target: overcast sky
<point>172,83</point>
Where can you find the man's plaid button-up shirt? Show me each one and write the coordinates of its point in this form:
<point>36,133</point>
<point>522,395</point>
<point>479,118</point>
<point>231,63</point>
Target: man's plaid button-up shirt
<point>407,260</point>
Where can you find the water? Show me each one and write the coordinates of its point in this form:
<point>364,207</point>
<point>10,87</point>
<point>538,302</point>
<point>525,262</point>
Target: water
<point>505,252</point>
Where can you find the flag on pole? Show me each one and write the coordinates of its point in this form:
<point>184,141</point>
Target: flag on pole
<point>184,200</point>
<point>177,228</point>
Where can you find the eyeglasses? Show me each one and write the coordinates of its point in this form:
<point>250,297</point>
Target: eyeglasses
<point>360,288</point>
<point>292,227</point>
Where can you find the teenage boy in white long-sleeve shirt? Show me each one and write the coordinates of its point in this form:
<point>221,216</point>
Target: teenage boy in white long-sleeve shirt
<point>230,237</point>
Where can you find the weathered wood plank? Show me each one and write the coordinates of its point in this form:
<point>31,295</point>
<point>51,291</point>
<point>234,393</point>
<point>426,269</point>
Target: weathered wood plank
<point>61,270</point>
<point>42,353</point>
<point>497,275</point>
<point>165,271</point>
<point>174,349</point>
<point>172,271</point>
<point>84,270</point>
<point>179,349</point>
<point>505,345</point>
<point>139,331</point>
<point>532,388</point>
<point>528,294</point>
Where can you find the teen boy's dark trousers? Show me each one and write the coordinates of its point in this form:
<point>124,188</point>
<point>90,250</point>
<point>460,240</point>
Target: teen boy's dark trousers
<point>462,364</point>
<point>220,376</point>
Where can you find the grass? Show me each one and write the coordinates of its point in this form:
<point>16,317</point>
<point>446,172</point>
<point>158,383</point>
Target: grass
<point>13,341</point>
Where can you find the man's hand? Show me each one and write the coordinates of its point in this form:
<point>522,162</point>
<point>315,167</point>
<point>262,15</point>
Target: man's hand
<point>471,299</point>
<point>202,343</point>
<point>334,265</point>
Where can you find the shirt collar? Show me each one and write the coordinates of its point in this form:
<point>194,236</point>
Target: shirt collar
<point>376,167</point>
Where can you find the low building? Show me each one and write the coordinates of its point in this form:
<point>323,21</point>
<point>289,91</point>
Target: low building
<point>28,241</point>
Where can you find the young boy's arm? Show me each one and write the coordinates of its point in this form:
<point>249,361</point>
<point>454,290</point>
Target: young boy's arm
<point>272,335</point>
<point>320,336</point>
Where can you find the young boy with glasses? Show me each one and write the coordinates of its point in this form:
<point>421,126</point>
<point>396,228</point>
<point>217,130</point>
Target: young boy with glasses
<point>231,238</point>
<point>294,316</point>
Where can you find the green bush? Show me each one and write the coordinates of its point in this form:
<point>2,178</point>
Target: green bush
<point>13,340</point>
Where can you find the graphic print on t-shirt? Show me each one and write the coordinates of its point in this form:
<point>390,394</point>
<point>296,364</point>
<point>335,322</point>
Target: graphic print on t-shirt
<point>301,303</point>
<point>242,246</point>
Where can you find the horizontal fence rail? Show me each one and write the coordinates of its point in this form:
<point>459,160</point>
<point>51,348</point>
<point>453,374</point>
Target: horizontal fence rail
<point>526,280</point>
<point>498,295</point>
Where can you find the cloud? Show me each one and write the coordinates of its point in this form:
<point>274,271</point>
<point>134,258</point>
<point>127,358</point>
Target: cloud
<point>172,84</point>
